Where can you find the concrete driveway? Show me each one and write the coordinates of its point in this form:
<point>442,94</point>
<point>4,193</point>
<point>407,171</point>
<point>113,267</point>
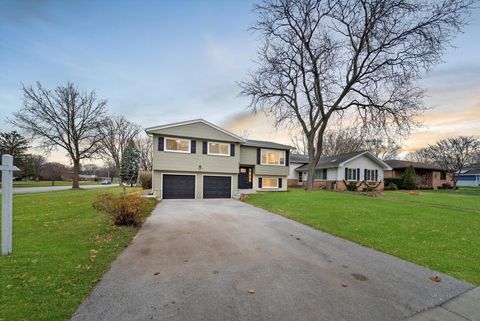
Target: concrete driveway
<point>198,259</point>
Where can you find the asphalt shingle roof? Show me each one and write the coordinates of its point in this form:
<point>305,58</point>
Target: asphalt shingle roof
<point>298,158</point>
<point>262,143</point>
<point>332,161</point>
<point>397,163</point>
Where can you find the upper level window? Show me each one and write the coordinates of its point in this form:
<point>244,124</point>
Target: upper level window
<point>178,145</point>
<point>273,157</point>
<point>221,149</point>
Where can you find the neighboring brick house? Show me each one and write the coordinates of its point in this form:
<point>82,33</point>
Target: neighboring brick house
<point>197,159</point>
<point>334,172</point>
<point>429,175</point>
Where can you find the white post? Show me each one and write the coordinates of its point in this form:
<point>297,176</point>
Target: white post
<point>7,199</point>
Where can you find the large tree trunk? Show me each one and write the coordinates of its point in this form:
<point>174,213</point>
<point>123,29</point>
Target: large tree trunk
<point>311,162</point>
<point>76,174</point>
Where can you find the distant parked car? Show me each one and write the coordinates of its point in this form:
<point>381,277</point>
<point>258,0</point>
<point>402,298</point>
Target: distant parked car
<point>106,182</point>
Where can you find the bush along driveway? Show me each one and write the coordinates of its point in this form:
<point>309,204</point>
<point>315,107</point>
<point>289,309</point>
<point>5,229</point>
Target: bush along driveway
<point>61,248</point>
<point>436,229</point>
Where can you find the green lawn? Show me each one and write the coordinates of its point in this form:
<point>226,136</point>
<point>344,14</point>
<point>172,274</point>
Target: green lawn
<point>47,183</point>
<point>61,248</point>
<point>436,229</point>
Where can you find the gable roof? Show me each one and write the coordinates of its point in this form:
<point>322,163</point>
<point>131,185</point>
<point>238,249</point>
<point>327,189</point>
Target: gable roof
<point>341,159</point>
<point>151,130</point>
<point>266,144</point>
<point>473,169</point>
<point>398,164</point>
<point>298,158</point>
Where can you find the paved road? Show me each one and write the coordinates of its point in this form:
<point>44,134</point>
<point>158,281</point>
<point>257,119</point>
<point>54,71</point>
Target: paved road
<point>198,259</point>
<point>26,190</point>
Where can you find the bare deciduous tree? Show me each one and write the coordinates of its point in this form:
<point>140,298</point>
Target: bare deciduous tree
<point>421,155</point>
<point>117,132</point>
<point>144,146</point>
<point>52,171</point>
<point>63,118</point>
<point>357,58</point>
<point>454,153</point>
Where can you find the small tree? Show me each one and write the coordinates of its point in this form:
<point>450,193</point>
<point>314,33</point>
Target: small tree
<point>64,118</point>
<point>52,171</point>
<point>454,153</point>
<point>409,178</point>
<point>130,163</point>
<point>117,132</point>
<point>16,145</point>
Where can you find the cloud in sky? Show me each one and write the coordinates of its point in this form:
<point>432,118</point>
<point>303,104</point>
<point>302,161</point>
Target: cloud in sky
<point>160,62</point>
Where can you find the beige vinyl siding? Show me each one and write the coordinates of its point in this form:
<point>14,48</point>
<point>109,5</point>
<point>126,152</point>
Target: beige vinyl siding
<point>196,130</point>
<point>271,170</point>
<point>248,155</point>
<point>198,162</point>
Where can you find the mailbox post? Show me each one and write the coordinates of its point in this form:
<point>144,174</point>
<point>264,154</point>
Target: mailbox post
<point>7,202</point>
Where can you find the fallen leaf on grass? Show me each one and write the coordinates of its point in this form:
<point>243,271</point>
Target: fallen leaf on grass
<point>435,278</point>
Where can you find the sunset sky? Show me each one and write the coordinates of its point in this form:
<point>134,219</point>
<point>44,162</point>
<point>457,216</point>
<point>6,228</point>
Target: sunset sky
<point>165,61</point>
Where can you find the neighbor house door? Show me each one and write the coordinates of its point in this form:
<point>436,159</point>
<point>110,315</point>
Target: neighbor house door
<point>245,178</point>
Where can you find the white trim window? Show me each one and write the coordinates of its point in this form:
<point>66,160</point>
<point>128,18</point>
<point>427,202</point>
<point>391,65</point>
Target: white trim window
<point>300,177</point>
<point>273,157</point>
<point>370,175</point>
<point>218,149</point>
<point>269,182</point>
<point>177,145</point>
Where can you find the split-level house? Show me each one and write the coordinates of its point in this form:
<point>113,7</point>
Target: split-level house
<point>197,159</point>
<point>361,168</point>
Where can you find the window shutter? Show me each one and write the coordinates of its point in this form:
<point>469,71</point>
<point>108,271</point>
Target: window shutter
<point>259,155</point>
<point>365,175</point>
<point>324,174</point>
<point>160,144</point>
<point>358,174</point>
<point>287,158</point>
<point>279,183</point>
<point>232,149</point>
<point>193,146</point>
<point>376,175</point>
<point>259,182</point>
<point>346,174</point>
<point>205,147</point>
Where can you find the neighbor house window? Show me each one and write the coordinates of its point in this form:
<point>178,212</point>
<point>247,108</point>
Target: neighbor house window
<point>369,175</point>
<point>221,149</point>
<point>273,157</point>
<point>178,145</point>
<point>320,174</point>
<point>300,177</point>
<point>352,174</point>
<point>443,175</point>
<point>269,183</point>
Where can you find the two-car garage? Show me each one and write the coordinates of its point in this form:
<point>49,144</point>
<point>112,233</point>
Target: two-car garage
<point>184,186</point>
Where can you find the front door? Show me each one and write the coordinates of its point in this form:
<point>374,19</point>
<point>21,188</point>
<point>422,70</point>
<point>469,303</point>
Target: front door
<point>245,178</point>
